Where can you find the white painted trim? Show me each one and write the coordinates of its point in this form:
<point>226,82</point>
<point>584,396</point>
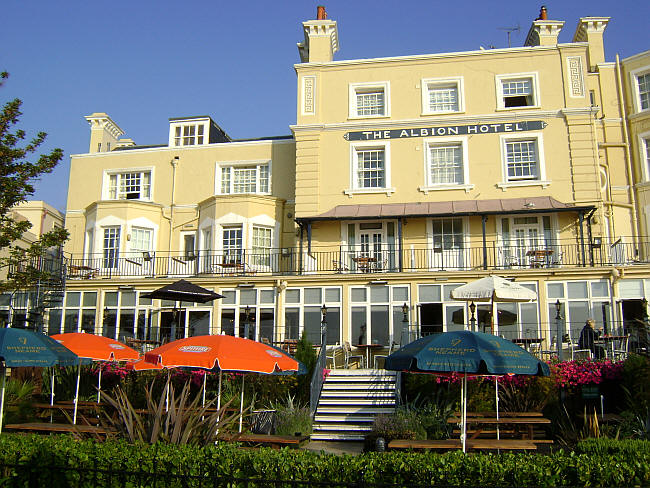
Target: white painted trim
<point>352,99</point>
<point>427,143</point>
<point>196,122</point>
<point>635,88</point>
<point>541,166</point>
<point>118,171</point>
<point>499,79</point>
<point>303,86</point>
<point>644,160</point>
<point>242,163</point>
<point>354,147</point>
<point>424,90</point>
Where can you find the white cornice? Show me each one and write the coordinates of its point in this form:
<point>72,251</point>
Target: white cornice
<point>425,121</point>
<point>424,57</point>
<point>636,56</point>
<point>182,148</point>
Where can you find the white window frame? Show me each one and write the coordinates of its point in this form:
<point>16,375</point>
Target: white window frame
<point>445,141</point>
<point>106,193</point>
<point>392,304</point>
<point>261,256</point>
<point>500,79</point>
<point>429,84</point>
<point>634,75</point>
<point>355,147</point>
<point>134,230</point>
<point>541,166</point>
<point>356,88</point>
<point>232,165</point>
<point>644,155</point>
<point>196,123</point>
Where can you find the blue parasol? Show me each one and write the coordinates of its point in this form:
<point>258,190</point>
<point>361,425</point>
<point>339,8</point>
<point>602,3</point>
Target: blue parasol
<point>21,347</point>
<point>474,353</point>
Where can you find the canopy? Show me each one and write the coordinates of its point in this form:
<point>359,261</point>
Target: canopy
<point>226,353</point>
<point>493,288</point>
<point>466,352</point>
<point>21,347</point>
<point>96,347</point>
<point>185,291</point>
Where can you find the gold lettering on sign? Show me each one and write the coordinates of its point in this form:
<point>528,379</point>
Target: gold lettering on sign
<point>576,83</point>
<point>308,95</point>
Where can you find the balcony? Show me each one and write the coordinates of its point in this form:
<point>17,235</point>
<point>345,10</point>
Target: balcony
<point>356,260</point>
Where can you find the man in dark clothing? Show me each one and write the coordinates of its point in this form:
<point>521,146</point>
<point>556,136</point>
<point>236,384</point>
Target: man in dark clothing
<point>587,340</point>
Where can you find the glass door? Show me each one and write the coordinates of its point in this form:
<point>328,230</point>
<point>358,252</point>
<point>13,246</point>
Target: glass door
<point>447,250</point>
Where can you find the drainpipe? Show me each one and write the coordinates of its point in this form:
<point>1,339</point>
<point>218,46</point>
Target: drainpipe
<point>581,218</point>
<point>636,228</point>
<point>174,163</point>
<point>485,259</point>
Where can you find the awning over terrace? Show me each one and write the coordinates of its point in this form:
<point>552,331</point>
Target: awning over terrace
<point>450,208</point>
<point>447,209</point>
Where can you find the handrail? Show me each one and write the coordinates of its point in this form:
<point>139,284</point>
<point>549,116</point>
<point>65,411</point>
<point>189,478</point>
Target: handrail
<point>317,377</point>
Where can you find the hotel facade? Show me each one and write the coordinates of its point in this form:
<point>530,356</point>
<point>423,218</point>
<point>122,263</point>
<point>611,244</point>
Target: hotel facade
<point>402,178</point>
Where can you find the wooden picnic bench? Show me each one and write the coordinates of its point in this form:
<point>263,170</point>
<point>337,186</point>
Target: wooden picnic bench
<point>529,423</point>
<point>501,414</point>
<point>274,441</point>
<point>46,427</point>
<point>471,444</point>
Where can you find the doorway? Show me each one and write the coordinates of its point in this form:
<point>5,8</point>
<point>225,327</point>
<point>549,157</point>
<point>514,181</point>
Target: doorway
<point>430,318</point>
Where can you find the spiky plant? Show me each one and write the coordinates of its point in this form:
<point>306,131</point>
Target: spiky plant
<point>185,421</point>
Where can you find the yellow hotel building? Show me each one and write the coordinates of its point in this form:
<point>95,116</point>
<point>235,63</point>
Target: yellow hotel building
<point>403,177</point>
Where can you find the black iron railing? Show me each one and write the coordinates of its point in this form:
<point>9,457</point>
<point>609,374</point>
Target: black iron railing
<point>357,260</point>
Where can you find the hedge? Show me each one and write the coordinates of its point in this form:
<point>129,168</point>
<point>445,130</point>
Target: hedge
<point>594,463</point>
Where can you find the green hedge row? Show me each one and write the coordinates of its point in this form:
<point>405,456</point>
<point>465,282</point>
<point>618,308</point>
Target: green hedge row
<point>594,463</point>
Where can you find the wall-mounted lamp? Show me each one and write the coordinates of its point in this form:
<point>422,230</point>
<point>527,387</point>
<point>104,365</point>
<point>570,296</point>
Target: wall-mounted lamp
<point>596,242</point>
<point>378,282</point>
<point>245,285</point>
<point>405,312</point>
<point>146,255</point>
<point>126,287</point>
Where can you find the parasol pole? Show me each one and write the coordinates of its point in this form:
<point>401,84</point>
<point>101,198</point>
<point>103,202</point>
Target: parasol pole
<point>167,393</point>
<point>464,416</point>
<point>76,394</point>
<point>2,395</point>
<point>99,383</point>
<point>52,391</point>
<point>494,320</point>
<point>205,378</point>
<point>496,392</point>
<point>241,403</point>
<point>218,404</point>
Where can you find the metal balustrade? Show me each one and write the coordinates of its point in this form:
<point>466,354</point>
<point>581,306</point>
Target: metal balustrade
<point>356,260</point>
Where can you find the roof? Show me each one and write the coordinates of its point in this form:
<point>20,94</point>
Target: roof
<point>448,208</point>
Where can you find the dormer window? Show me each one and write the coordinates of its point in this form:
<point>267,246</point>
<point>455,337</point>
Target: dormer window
<point>188,135</point>
<point>133,185</point>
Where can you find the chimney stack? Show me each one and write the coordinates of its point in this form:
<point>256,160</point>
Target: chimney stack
<point>543,32</point>
<point>321,39</point>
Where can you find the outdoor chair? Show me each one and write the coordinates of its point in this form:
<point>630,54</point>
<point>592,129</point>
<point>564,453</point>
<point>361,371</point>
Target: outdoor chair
<point>620,354</point>
<point>551,352</point>
<point>348,356</point>
<point>391,348</point>
<point>331,354</point>
<point>577,353</point>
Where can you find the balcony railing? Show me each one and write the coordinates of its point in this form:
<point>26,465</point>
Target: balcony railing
<point>355,259</point>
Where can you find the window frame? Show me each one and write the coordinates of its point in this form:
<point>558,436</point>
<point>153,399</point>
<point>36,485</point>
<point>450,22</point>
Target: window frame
<point>182,124</point>
<point>501,79</point>
<point>426,87</point>
<point>428,143</point>
<point>541,180</point>
<point>355,148</point>
<point>634,80</point>
<point>119,173</point>
<point>232,166</point>
<point>356,88</point>
<point>644,155</point>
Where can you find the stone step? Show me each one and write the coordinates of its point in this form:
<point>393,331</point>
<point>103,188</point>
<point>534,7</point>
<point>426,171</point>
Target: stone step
<point>357,394</point>
<point>326,436</point>
<point>359,386</point>
<point>357,401</point>
<point>353,419</point>
<point>333,410</point>
<point>342,427</point>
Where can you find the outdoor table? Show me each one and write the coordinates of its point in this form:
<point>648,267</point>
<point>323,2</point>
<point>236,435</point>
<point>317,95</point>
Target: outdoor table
<point>528,422</point>
<point>274,441</point>
<point>539,257</point>
<point>46,427</point>
<point>609,341</point>
<point>527,341</point>
<point>365,263</point>
<point>79,271</point>
<point>288,345</point>
<point>472,444</point>
<point>367,348</point>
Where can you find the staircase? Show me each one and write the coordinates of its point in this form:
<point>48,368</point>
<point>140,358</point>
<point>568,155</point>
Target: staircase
<point>349,402</point>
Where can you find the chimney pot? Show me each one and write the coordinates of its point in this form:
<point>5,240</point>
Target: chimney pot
<point>320,13</point>
<point>543,15</point>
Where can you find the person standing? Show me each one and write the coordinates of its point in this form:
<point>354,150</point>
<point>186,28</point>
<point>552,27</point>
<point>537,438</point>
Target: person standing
<point>587,340</point>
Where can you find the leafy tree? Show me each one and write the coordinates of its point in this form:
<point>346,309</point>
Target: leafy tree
<point>17,177</point>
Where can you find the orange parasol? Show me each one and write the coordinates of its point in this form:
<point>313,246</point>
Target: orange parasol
<point>97,348</point>
<point>225,353</point>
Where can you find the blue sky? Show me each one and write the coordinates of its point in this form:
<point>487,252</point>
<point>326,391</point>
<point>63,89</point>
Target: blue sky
<point>145,61</point>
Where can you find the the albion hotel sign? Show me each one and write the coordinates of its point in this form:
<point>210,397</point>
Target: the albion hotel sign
<point>448,130</point>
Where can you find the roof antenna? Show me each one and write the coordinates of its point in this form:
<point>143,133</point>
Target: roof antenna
<point>509,30</point>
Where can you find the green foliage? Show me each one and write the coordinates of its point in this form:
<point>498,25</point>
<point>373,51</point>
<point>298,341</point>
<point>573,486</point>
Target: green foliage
<point>636,374</point>
<point>17,401</point>
<point>65,383</point>
<point>532,396</point>
<point>291,417</point>
<point>594,463</point>
<point>306,354</point>
<point>17,176</point>
<point>180,420</point>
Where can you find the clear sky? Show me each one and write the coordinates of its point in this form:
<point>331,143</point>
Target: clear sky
<point>145,61</point>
